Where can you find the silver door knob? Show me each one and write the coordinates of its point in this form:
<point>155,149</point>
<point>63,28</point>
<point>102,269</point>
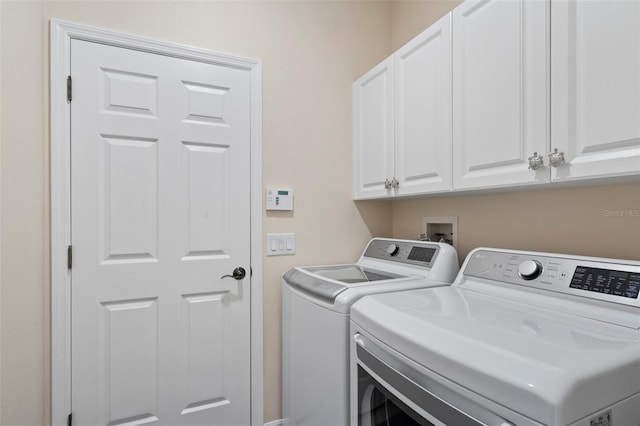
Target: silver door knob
<point>535,161</point>
<point>556,158</point>
<point>395,184</point>
<point>238,274</point>
<point>387,184</point>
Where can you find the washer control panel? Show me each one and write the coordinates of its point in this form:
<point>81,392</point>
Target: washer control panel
<point>410,252</point>
<point>617,281</point>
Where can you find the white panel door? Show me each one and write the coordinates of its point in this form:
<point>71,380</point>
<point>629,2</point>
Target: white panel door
<point>500,92</point>
<point>423,111</point>
<point>595,76</point>
<point>160,212</point>
<point>373,132</point>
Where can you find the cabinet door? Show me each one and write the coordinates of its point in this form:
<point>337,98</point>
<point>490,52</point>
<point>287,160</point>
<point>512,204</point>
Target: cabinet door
<point>595,96</point>
<point>500,92</point>
<point>373,132</point>
<point>423,111</point>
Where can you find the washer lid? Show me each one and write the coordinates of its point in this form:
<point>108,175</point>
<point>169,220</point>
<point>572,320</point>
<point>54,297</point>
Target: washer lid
<point>327,282</point>
<point>551,366</point>
<point>351,274</point>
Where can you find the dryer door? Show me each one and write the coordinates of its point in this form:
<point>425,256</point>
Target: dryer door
<point>377,406</point>
<point>391,391</point>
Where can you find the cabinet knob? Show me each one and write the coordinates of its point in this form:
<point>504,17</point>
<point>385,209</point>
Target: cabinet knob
<point>395,184</point>
<point>556,158</point>
<point>536,161</point>
<point>387,184</point>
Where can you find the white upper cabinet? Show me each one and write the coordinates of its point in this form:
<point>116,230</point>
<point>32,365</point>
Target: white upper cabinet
<point>402,120</point>
<point>500,93</point>
<point>423,111</point>
<point>373,132</point>
<point>595,88</point>
<point>503,93</point>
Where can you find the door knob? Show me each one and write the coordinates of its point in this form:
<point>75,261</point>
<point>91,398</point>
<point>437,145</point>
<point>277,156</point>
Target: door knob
<point>238,274</point>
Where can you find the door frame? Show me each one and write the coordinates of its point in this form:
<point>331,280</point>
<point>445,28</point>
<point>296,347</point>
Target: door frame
<point>61,34</point>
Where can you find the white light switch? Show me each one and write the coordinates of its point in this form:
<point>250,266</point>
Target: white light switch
<point>281,244</point>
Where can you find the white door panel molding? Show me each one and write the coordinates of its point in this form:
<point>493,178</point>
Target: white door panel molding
<point>127,215</point>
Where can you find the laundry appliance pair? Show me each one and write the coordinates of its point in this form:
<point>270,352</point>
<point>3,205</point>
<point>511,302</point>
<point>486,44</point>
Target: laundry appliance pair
<point>518,339</point>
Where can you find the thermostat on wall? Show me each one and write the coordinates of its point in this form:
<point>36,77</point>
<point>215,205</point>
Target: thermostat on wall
<point>279,199</point>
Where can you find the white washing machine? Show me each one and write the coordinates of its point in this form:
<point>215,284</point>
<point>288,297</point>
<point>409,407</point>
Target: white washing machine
<point>520,338</point>
<point>315,320</point>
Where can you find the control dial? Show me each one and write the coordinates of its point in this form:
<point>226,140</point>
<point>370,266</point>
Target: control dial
<point>529,270</point>
<point>393,249</point>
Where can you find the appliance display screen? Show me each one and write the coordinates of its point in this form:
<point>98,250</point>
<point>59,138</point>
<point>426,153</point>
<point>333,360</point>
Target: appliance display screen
<point>617,283</point>
<point>421,254</point>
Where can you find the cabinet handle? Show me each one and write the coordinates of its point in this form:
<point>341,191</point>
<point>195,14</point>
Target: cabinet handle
<point>387,184</point>
<point>395,184</point>
<point>556,158</point>
<point>536,161</point>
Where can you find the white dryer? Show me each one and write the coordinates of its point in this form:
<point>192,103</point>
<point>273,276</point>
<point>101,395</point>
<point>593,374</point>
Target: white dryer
<point>520,338</point>
<point>316,302</point>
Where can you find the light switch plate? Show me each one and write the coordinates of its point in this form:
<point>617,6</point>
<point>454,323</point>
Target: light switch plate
<point>281,244</point>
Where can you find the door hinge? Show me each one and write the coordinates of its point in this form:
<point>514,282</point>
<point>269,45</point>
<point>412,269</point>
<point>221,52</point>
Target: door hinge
<point>69,257</point>
<point>69,91</point>
<point>69,419</point>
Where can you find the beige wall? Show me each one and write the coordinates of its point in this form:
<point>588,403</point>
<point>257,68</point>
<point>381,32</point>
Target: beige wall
<point>311,53</point>
<point>580,220</point>
<point>410,17</point>
<point>593,221</point>
<point>24,324</point>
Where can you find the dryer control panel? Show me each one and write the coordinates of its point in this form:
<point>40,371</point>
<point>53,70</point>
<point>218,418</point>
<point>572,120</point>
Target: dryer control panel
<point>603,279</point>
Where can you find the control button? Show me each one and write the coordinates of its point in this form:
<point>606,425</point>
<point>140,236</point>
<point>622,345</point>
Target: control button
<point>392,249</point>
<point>529,269</point>
<point>509,271</point>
